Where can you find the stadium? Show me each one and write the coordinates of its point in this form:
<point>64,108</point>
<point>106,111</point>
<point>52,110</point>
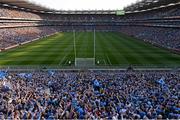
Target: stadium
<point>90,64</point>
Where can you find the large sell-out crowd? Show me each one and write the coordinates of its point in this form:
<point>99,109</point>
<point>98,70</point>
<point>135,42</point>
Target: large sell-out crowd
<point>13,32</point>
<point>14,36</point>
<point>89,95</point>
<point>165,37</point>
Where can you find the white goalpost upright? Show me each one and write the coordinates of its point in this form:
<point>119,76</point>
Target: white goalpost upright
<point>74,35</point>
<point>85,62</point>
<point>94,43</point>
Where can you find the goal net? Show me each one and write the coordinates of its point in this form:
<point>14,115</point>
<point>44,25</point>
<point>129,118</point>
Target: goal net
<point>84,62</point>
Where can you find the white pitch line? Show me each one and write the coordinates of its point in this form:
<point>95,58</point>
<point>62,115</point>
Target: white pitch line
<point>104,62</point>
<point>62,60</point>
<point>108,59</point>
<point>66,62</point>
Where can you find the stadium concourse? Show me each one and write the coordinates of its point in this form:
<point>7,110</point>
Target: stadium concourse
<point>92,94</point>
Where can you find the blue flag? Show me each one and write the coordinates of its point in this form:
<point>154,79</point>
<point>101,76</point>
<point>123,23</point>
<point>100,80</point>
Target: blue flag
<point>161,81</point>
<point>28,75</point>
<point>164,86</point>
<point>96,83</point>
<point>2,74</point>
<point>51,73</point>
<point>22,75</point>
<point>25,75</point>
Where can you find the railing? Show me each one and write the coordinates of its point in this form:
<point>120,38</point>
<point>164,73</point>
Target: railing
<point>100,67</point>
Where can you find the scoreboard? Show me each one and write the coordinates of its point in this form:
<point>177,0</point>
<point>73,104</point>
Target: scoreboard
<point>120,12</point>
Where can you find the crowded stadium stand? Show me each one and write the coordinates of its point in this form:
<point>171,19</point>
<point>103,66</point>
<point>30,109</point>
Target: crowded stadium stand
<point>157,22</point>
<point>160,20</point>
<point>90,94</point>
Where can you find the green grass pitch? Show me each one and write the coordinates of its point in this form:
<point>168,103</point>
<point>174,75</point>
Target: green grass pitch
<point>112,49</point>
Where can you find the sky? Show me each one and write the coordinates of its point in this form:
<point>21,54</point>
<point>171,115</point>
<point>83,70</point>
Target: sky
<point>84,4</point>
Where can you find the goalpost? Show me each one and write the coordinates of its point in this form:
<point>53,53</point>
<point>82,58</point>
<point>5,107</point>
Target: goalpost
<point>85,62</point>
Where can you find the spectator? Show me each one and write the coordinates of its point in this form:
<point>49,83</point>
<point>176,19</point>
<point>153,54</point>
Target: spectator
<point>91,95</point>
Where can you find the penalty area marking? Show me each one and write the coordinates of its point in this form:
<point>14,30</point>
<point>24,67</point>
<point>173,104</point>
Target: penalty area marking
<point>66,62</point>
<point>104,62</point>
<point>108,59</point>
<point>62,60</point>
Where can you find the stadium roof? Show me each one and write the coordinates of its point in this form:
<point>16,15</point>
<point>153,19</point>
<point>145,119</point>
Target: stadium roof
<point>149,4</point>
<point>143,5</point>
<point>24,5</point>
<point>86,12</point>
